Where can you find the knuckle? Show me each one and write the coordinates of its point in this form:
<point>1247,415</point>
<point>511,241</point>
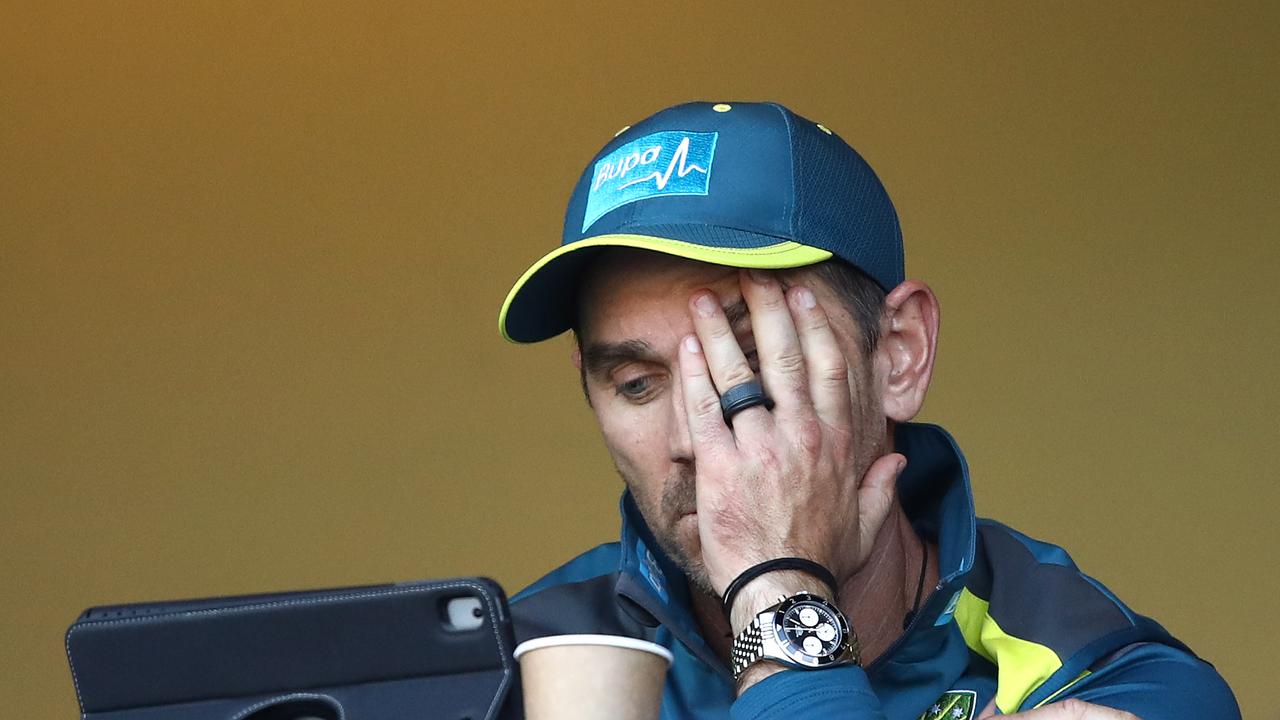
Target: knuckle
<point>833,377</point>
<point>738,373</point>
<point>831,366</point>
<point>771,299</point>
<point>719,331</point>
<point>1073,708</point>
<point>809,436</point>
<point>706,406</point>
<point>790,363</point>
<point>1070,705</point>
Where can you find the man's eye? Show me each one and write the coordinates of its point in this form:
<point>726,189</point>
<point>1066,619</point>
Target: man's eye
<point>635,389</point>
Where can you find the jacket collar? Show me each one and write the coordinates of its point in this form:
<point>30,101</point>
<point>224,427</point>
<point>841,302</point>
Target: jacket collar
<point>935,493</point>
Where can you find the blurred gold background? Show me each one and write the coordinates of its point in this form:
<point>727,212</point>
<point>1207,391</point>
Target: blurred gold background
<point>251,257</point>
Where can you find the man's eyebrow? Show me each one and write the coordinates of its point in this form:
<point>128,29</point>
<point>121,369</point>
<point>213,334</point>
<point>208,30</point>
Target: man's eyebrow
<point>601,358</point>
<point>737,313</point>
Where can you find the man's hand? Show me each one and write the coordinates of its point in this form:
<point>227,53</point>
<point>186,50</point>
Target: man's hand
<point>1065,710</point>
<point>789,482</point>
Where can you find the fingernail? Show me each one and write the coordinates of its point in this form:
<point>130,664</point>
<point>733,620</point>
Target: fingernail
<point>705,305</point>
<point>760,276</point>
<point>901,464</point>
<point>691,344</point>
<point>805,296</point>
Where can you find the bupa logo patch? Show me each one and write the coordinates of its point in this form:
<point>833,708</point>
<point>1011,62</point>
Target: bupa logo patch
<point>953,705</point>
<point>664,163</point>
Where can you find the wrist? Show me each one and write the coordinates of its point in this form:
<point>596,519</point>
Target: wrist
<point>763,591</point>
<point>772,567</point>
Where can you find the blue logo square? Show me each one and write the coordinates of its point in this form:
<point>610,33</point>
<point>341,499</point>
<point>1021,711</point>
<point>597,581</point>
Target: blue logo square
<point>664,163</point>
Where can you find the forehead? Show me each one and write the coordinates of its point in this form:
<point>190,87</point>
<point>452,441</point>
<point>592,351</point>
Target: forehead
<point>624,286</point>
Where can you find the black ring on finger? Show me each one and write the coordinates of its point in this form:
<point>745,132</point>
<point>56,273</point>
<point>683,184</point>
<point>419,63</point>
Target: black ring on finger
<point>742,396</point>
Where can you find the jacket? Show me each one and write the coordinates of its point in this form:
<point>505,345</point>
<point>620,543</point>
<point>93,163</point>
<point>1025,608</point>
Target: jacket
<point>1011,619</point>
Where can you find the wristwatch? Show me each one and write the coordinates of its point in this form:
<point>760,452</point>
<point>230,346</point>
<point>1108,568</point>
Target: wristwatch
<point>801,631</point>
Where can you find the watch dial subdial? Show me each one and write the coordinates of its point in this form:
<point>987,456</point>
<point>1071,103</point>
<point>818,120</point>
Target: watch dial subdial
<point>812,645</point>
<point>808,616</point>
<point>825,632</point>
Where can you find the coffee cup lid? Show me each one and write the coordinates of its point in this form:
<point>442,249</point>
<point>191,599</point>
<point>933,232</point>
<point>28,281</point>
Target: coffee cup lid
<point>606,640</point>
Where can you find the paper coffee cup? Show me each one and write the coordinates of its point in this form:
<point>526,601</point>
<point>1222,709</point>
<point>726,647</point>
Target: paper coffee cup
<point>581,677</point>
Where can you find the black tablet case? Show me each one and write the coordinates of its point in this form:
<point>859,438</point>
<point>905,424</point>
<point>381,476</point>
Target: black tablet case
<point>369,653</point>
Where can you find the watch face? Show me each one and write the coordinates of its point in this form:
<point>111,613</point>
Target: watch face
<point>810,631</point>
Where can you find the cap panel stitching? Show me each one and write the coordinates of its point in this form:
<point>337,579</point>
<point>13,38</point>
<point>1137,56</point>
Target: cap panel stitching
<point>792,209</point>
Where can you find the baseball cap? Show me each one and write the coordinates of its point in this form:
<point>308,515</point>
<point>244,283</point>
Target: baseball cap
<point>749,185</point>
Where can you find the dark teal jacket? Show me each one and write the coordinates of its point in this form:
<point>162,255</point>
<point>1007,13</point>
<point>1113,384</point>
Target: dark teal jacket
<point>1012,619</point>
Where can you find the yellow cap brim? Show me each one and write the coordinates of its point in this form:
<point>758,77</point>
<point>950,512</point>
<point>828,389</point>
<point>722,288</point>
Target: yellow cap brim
<point>535,309</point>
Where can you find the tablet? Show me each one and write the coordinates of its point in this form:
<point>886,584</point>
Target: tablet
<point>429,649</point>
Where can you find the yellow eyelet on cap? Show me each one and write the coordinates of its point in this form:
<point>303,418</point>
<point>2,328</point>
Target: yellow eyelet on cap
<point>823,128</point>
<point>721,107</point>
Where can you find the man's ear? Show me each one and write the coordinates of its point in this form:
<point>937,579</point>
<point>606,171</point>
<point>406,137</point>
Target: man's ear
<point>906,349</point>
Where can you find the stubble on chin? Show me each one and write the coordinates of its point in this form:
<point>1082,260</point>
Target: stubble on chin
<point>667,521</point>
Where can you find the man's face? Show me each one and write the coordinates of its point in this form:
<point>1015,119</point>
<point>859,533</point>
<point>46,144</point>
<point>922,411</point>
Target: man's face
<point>634,313</point>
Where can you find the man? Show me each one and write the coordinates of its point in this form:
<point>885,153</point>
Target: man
<point>733,275</point>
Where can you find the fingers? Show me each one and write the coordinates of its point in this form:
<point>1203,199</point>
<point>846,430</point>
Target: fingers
<point>801,363</point>
<point>711,437</point>
<point>826,368</point>
<point>875,495</point>
<point>724,358</point>
<point>782,361</point>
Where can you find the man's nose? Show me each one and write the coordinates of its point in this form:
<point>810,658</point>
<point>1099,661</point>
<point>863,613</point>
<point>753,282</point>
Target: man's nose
<point>679,440</point>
